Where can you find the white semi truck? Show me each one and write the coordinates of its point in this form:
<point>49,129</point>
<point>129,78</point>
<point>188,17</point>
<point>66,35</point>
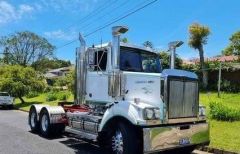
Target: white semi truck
<point>125,102</point>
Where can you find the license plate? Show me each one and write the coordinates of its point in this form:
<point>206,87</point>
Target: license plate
<point>184,141</point>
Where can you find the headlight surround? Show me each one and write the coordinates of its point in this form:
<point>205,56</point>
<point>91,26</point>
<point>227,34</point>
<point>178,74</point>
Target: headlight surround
<point>151,113</point>
<point>202,111</point>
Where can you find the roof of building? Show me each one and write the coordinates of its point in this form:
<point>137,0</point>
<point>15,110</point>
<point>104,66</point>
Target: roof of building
<point>63,69</point>
<point>230,58</point>
<point>223,58</point>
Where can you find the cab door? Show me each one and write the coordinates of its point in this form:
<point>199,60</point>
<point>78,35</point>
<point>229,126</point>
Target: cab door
<point>97,77</point>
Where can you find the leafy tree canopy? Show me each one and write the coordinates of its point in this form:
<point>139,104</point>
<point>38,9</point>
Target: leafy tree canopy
<point>19,81</point>
<point>165,60</point>
<point>234,46</point>
<point>23,48</point>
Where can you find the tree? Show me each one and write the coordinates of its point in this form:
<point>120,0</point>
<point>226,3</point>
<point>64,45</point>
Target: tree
<point>23,48</point>
<point>68,80</point>
<point>234,46</point>
<point>19,81</point>
<point>124,40</point>
<point>165,60</point>
<point>148,44</point>
<point>229,50</point>
<point>198,37</point>
<point>44,64</point>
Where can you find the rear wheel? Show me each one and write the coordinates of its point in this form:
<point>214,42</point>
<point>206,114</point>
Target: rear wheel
<point>45,126</point>
<point>47,129</point>
<point>34,124</point>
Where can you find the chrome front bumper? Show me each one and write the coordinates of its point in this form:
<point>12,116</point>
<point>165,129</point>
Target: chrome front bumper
<point>174,136</point>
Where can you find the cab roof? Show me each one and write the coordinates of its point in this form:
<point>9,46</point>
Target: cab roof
<point>128,45</point>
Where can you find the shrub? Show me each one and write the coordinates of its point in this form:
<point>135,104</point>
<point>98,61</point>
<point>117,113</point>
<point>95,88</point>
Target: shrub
<point>47,89</point>
<point>32,94</point>
<point>220,112</point>
<point>52,96</point>
<point>230,86</point>
<point>63,96</point>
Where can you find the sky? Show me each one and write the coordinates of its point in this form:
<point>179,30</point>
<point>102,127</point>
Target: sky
<point>60,21</point>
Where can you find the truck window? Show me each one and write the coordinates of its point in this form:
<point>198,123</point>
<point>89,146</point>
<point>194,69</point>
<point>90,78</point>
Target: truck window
<point>4,94</point>
<point>100,61</point>
<point>136,60</point>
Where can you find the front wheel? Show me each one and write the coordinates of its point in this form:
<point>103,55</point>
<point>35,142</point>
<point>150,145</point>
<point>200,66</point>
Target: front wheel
<point>124,140</point>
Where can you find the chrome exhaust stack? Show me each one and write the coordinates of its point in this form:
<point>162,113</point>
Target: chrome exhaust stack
<point>114,80</point>
<point>172,48</point>
<point>116,33</point>
<point>81,71</point>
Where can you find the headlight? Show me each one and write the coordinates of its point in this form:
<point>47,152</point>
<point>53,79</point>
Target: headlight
<point>151,113</point>
<point>157,113</point>
<point>202,111</point>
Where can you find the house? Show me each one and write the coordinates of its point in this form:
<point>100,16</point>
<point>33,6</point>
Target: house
<point>56,73</point>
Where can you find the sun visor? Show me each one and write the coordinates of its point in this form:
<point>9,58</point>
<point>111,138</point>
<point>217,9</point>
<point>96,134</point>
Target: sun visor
<point>178,73</point>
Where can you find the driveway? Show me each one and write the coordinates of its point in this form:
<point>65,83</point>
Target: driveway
<point>16,138</point>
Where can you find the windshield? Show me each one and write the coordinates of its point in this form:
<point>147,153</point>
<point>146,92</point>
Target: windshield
<point>136,60</point>
<point>4,94</point>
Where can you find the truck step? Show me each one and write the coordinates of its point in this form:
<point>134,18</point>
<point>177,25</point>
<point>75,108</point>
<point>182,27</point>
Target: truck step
<point>81,134</point>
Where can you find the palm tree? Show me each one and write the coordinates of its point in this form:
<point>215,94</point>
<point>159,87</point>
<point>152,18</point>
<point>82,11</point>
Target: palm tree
<point>198,36</point>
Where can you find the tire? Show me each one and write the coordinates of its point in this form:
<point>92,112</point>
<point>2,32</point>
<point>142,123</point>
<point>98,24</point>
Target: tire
<point>184,150</point>
<point>46,128</point>
<point>59,129</point>
<point>32,119</point>
<point>124,140</point>
<point>188,150</point>
<point>10,107</point>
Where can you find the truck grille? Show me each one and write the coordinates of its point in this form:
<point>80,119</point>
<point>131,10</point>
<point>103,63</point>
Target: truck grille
<point>182,98</point>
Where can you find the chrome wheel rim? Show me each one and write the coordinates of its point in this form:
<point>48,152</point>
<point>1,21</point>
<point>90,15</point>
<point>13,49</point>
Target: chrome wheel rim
<point>117,142</point>
<point>32,119</point>
<point>44,122</point>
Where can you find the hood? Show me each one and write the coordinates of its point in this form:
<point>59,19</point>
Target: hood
<point>144,86</point>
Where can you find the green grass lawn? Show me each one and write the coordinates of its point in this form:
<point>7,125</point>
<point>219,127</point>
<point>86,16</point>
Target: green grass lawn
<point>41,99</point>
<point>223,135</point>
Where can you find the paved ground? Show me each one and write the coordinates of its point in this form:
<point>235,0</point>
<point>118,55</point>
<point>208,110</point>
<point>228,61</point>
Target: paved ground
<point>16,138</point>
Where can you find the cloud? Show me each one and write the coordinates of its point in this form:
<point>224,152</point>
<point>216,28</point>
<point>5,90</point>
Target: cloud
<point>24,9</point>
<point>66,5</point>
<point>61,35</point>
<point>9,13</point>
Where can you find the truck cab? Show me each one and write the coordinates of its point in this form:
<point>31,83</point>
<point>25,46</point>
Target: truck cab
<point>127,103</point>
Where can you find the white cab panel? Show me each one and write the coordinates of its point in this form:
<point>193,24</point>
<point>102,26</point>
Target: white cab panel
<point>97,87</point>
